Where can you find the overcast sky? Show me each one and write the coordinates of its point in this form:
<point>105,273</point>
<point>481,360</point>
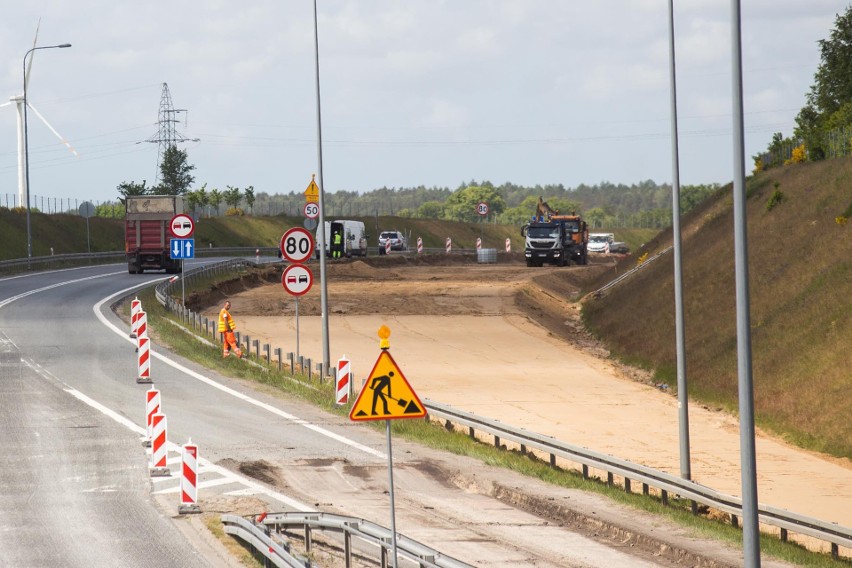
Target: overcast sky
<point>431,92</point>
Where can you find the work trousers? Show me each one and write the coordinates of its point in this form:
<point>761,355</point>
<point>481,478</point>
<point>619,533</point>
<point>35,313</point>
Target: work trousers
<point>230,345</point>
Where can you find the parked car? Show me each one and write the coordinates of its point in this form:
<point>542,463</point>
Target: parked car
<point>598,242</point>
<point>395,238</point>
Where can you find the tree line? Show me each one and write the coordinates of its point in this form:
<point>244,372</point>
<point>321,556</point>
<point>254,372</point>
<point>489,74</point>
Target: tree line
<point>643,204</point>
<point>824,125</point>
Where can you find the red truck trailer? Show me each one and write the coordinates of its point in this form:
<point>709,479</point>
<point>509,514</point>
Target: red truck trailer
<point>146,232</point>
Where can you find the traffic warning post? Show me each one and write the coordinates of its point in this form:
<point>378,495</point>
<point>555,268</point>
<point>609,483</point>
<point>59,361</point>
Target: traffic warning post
<point>386,395</point>
<point>189,480</point>
<point>159,436</point>
<point>144,361</point>
<point>152,407</point>
<point>344,373</point>
<point>135,308</point>
<point>141,327</point>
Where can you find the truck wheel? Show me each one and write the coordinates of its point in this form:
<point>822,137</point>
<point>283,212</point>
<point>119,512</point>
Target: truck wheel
<point>131,268</point>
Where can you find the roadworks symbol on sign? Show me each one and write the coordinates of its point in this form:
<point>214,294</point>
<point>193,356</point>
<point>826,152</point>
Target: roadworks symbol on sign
<point>386,394</point>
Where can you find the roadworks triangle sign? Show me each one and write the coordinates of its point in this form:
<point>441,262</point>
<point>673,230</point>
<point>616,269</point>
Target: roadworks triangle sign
<point>386,395</point>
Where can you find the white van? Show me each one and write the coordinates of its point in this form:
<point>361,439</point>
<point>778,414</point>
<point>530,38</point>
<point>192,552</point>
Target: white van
<point>354,237</point>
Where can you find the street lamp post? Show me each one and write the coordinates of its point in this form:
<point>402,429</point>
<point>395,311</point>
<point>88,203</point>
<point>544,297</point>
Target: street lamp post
<point>26,144</point>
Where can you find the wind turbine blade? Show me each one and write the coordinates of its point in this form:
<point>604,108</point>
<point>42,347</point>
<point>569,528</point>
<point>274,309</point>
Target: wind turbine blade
<point>32,55</point>
<point>52,129</point>
<point>6,104</point>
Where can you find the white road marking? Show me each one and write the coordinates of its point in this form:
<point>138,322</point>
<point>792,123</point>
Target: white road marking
<point>8,301</point>
<point>172,447</point>
<point>244,397</point>
<point>200,485</point>
<point>47,271</point>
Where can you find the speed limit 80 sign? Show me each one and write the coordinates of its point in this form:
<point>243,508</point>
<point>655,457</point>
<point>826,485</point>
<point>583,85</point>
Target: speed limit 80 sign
<point>482,208</point>
<point>297,245</point>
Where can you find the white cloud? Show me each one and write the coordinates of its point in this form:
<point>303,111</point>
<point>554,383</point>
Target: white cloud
<point>539,91</point>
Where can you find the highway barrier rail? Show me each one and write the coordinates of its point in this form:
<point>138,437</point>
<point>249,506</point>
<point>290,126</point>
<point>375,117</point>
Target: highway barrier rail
<point>835,535</point>
<point>269,537</point>
<point>786,521</point>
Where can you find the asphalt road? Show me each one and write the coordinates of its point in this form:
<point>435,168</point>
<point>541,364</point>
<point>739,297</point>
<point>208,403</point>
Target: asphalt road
<point>75,485</point>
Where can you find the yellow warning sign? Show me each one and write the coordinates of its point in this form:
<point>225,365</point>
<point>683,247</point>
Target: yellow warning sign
<point>312,192</point>
<point>386,394</point>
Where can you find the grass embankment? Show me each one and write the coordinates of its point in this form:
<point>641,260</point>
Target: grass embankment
<point>67,233</point>
<point>436,435</point>
<point>800,268</point>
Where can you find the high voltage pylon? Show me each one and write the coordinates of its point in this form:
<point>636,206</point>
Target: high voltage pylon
<point>167,135</point>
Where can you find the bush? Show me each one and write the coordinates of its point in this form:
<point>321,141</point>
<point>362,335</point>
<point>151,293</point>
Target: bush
<point>797,156</point>
<point>774,199</point>
<point>235,212</point>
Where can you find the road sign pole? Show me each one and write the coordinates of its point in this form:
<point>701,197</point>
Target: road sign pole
<point>390,487</point>
<point>296,298</point>
<point>182,286</point>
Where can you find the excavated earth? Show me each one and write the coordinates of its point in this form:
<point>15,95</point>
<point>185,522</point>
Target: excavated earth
<point>506,341</point>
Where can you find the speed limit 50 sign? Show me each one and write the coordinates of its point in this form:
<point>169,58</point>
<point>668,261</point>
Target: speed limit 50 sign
<point>297,245</point>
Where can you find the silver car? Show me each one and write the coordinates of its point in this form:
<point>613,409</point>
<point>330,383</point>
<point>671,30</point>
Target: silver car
<point>395,238</point>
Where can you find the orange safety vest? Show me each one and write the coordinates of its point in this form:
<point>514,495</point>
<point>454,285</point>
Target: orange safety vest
<point>226,322</point>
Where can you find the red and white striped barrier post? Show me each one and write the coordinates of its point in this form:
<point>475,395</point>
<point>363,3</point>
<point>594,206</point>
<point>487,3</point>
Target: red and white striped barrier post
<point>419,245</point>
<point>387,246</point>
<point>141,327</point>
<point>449,245</point>
<point>343,380</point>
<point>606,248</point>
<point>159,467</point>
<point>189,480</point>
<point>152,407</point>
<point>144,361</point>
<point>135,308</point>
<point>257,255</point>
<point>508,244</point>
<point>478,243</point>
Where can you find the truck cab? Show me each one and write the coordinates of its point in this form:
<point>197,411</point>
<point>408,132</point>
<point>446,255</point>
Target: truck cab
<point>558,240</point>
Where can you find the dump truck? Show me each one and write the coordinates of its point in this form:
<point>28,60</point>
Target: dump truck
<point>555,239</point>
<point>147,234</point>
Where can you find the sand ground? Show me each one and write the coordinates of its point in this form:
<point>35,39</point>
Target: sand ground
<point>461,337</point>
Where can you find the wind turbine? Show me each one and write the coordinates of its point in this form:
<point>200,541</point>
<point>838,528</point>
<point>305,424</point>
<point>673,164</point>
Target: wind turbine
<point>19,104</point>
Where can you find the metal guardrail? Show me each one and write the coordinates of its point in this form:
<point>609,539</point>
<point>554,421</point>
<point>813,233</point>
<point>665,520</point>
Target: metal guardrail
<point>379,538</point>
<point>833,533</point>
<point>163,290</point>
<point>276,553</point>
<point>46,262</point>
<point>627,274</point>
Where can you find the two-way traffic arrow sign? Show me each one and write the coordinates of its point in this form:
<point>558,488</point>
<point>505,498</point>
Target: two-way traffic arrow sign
<point>182,248</point>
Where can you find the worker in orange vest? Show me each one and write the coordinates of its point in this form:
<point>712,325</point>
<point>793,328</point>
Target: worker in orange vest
<point>226,328</point>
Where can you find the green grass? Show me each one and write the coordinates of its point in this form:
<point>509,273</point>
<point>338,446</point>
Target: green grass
<point>800,284</point>
<point>436,435</point>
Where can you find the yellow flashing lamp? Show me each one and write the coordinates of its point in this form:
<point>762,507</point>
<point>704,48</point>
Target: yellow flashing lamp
<point>384,334</point>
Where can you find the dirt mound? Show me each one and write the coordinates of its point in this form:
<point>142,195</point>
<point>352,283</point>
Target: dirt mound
<point>433,285</point>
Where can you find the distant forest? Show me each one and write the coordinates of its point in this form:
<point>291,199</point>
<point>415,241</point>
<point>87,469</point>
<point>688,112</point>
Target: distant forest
<point>643,204</point>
